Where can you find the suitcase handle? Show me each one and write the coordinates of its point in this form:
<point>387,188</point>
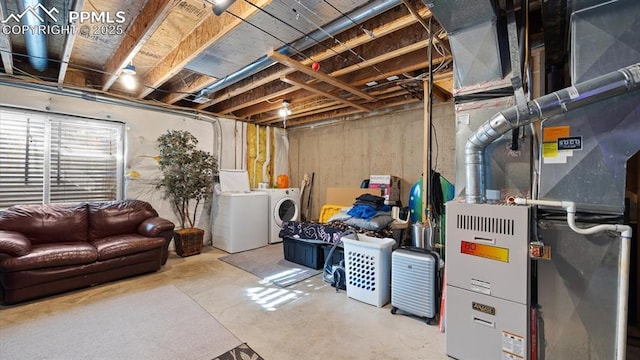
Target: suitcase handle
<point>416,249</point>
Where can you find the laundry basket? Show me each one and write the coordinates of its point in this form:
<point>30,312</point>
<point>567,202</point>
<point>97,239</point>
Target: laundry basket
<point>368,268</point>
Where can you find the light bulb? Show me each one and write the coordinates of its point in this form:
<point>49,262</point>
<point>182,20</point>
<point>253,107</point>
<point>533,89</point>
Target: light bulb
<point>129,81</point>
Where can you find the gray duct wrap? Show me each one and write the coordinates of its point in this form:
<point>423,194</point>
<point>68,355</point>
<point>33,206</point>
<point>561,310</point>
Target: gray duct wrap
<point>609,85</point>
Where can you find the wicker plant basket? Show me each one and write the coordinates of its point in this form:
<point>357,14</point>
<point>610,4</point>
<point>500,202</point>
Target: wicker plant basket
<point>188,241</point>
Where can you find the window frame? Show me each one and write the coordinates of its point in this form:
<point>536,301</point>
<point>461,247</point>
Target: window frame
<point>73,123</point>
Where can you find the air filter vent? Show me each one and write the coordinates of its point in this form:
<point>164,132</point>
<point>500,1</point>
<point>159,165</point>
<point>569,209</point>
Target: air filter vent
<point>486,224</point>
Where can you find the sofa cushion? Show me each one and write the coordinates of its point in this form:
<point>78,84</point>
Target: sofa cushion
<point>122,245</point>
<point>51,255</point>
<point>117,217</point>
<point>50,223</point>
<point>14,243</point>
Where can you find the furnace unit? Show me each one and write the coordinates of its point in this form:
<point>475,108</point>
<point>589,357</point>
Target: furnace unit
<point>487,290</point>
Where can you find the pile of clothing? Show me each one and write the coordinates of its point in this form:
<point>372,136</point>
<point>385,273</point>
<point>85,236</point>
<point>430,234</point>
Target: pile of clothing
<point>367,206</point>
<point>368,212</point>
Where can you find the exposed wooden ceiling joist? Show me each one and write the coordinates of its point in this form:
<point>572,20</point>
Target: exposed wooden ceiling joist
<point>317,74</point>
<point>203,36</point>
<point>68,46</point>
<point>317,90</point>
<point>268,97</point>
<point>178,94</point>
<point>149,20</point>
<point>362,39</point>
<point>365,66</point>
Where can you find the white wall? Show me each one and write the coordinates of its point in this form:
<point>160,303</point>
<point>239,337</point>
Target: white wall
<point>143,128</point>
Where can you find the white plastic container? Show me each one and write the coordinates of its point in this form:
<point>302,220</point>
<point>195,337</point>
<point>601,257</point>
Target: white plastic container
<point>368,268</point>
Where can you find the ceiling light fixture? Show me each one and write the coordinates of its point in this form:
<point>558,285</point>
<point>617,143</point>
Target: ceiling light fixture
<point>129,69</point>
<point>219,6</point>
<point>285,111</point>
<point>128,79</point>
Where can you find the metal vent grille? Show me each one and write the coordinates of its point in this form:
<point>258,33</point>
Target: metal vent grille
<point>486,224</point>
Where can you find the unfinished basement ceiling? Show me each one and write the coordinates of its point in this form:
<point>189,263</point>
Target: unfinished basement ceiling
<point>243,64</point>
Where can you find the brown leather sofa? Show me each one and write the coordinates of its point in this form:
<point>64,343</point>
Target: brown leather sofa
<point>49,249</point>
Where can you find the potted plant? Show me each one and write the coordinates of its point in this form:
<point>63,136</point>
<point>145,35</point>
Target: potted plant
<point>187,181</point>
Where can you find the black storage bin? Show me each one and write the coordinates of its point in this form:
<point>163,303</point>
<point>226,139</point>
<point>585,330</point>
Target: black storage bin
<point>303,253</point>
<point>336,257</point>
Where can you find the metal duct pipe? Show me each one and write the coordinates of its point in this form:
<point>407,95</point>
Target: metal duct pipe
<point>36,41</point>
<point>588,92</point>
<point>364,13</point>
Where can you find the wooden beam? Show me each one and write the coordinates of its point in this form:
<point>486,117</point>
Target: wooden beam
<point>212,29</point>
<point>295,97</point>
<point>246,88</point>
<point>261,99</point>
<point>384,57</point>
<point>148,21</point>
<point>317,74</point>
<point>313,111</point>
<point>6,51</point>
<point>419,17</point>
<point>406,64</point>
<point>327,116</point>
<point>388,28</point>
<point>201,81</point>
<point>68,45</point>
<point>317,90</point>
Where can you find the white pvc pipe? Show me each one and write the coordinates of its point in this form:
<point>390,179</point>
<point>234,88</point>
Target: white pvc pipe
<point>623,262</point>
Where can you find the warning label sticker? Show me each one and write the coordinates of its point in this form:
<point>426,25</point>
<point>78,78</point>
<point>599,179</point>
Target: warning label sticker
<point>513,345</point>
<point>558,145</point>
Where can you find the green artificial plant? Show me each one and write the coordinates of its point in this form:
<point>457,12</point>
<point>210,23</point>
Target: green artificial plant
<point>187,173</point>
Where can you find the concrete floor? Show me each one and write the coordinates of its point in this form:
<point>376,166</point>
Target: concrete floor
<point>308,320</point>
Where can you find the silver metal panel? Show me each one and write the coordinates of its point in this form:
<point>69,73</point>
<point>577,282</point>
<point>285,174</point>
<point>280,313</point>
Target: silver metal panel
<point>577,294</point>
<point>249,41</point>
<point>460,14</point>
<point>494,230</point>
<point>593,177</point>
<point>604,38</point>
<point>476,54</point>
<point>413,283</point>
<point>510,171</point>
<point>472,334</point>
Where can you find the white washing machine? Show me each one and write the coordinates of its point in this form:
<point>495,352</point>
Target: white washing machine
<point>240,220</point>
<point>284,205</point>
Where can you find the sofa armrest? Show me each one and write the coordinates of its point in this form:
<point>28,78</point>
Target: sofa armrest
<point>14,243</point>
<point>155,226</point>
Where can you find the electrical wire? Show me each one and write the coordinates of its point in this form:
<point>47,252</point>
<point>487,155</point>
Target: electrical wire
<point>318,27</point>
<point>369,33</point>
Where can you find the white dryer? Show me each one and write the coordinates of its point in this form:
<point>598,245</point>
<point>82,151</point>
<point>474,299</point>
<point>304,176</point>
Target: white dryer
<point>284,205</point>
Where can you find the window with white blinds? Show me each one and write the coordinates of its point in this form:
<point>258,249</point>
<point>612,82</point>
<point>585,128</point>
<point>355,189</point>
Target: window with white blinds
<point>51,159</point>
